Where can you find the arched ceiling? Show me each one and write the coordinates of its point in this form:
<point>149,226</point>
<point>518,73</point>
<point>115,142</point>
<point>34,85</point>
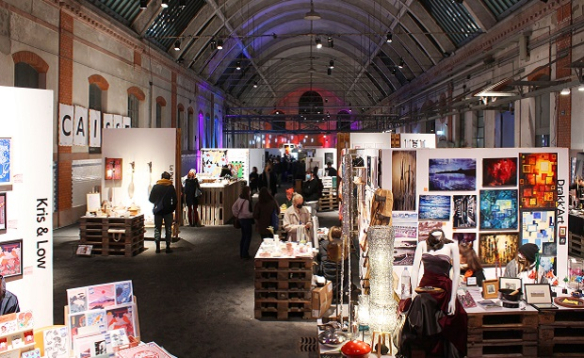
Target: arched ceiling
<point>269,47</point>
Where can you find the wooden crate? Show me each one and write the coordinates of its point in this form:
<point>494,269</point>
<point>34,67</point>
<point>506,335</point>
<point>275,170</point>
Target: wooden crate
<point>128,241</point>
<point>289,264</point>
<point>216,202</point>
<point>492,350</point>
<point>283,275</point>
<point>575,245</point>
<point>282,294</point>
<point>268,308</point>
<point>561,333</point>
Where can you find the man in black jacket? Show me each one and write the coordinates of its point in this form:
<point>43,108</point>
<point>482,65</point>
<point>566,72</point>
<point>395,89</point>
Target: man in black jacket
<point>269,180</point>
<point>163,196</point>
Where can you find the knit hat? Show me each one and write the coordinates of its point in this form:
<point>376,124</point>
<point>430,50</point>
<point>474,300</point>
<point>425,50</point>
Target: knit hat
<point>529,251</point>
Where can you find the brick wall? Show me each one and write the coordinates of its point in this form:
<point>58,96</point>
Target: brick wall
<point>563,70</point>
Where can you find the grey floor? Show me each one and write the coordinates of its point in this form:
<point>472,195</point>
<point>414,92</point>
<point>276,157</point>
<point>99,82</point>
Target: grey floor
<point>196,302</point>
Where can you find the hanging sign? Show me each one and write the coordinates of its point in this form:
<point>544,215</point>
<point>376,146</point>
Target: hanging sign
<point>80,127</point>
<point>118,121</point>
<point>94,128</point>
<point>127,122</point>
<point>108,120</point>
<point>65,125</point>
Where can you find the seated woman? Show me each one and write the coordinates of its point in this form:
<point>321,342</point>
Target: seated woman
<point>470,265</point>
<point>436,321</point>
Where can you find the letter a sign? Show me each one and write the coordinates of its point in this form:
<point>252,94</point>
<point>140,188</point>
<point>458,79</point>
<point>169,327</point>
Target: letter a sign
<point>80,128</point>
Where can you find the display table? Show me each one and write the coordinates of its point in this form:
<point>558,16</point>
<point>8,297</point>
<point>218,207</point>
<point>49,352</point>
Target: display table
<point>283,285</point>
<point>216,202</point>
<point>110,236</point>
<point>561,332</point>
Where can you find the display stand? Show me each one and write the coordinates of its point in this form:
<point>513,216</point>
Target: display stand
<point>16,343</point>
<point>111,236</point>
<point>561,333</point>
<point>329,200</point>
<point>216,202</point>
<point>576,235</point>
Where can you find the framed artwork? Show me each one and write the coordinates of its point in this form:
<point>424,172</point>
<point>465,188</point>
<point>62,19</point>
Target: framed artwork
<point>467,238</point>
<point>500,172</point>
<point>84,250</point>
<point>406,241</point>
<point>3,216</point>
<point>563,230</point>
<point>498,249</point>
<point>113,169</point>
<point>452,174</point>
<point>549,249</point>
<point>498,209</point>
<point>465,212</point>
<point>510,283</point>
<point>538,180</point>
<point>369,171</point>
<point>490,289</point>
<point>328,158</point>
<point>374,172</point>
<point>434,207</point>
<point>426,227</point>
<point>5,162</point>
<point>538,227</point>
<point>538,293</point>
<point>11,258</point>
<point>403,181</point>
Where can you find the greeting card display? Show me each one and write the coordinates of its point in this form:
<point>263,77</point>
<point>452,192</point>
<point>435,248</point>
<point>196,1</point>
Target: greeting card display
<point>142,351</point>
<point>56,342</point>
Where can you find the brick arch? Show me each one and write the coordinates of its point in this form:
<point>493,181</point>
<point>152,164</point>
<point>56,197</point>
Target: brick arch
<point>161,101</point>
<point>32,59</point>
<point>181,108</point>
<point>138,93</point>
<point>191,110</point>
<point>99,81</point>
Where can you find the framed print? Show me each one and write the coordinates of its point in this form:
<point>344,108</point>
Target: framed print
<point>113,169</point>
<point>538,227</point>
<point>538,180</point>
<point>498,209</point>
<point>562,231</point>
<point>490,289</point>
<point>434,207</point>
<point>500,172</point>
<point>539,295</point>
<point>452,174</point>
<point>465,210</point>
<point>510,283</point>
<point>3,220</point>
<point>403,180</point>
<point>11,258</point>
<point>498,249</point>
<point>5,164</point>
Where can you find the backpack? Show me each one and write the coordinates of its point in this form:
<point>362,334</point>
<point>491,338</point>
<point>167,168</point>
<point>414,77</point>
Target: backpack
<point>159,205</point>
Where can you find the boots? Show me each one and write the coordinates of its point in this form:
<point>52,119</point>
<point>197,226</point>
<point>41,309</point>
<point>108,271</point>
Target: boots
<point>168,250</point>
<point>157,247</point>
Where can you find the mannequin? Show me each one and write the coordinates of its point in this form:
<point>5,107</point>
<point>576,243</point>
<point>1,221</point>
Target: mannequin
<point>436,321</point>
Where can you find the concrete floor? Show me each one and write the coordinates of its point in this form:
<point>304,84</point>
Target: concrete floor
<point>196,302</point>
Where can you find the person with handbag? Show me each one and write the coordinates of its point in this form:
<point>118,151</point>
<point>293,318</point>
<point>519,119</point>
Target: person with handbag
<point>242,211</point>
<point>266,213</point>
<point>192,194</point>
<point>163,196</point>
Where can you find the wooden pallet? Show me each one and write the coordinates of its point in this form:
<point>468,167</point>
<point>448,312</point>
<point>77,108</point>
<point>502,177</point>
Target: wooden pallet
<point>492,350</point>
<point>561,333</point>
<point>298,285</point>
<point>283,275</point>
<point>575,245</point>
<point>128,239</point>
<point>282,309</point>
<point>282,294</point>
<point>289,264</point>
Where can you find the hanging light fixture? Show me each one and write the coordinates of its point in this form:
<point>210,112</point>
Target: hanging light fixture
<point>389,38</point>
<point>565,92</point>
<point>177,45</point>
<point>401,63</point>
<point>255,85</point>
<point>312,15</point>
<point>331,43</point>
<point>331,64</point>
<point>318,42</point>
<point>238,65</point>
<point>219,44</point>
<point>164,4</point>
<point>143,4</point>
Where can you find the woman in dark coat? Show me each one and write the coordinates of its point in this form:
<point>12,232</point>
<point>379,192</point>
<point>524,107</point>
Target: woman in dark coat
<point>191,198</point>
<point>263,212</point>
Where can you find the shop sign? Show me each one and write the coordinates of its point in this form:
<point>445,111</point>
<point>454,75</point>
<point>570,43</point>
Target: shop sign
<point>65,125</point>
<point>80,126</point>
<point>94,128</point>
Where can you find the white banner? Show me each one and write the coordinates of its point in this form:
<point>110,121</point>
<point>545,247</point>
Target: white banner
<point>94,128</point>
<point>65,125</point>
<point>118,121</point>
<point>80,129</point>
<point>127,122</point>
<point>108,120</point>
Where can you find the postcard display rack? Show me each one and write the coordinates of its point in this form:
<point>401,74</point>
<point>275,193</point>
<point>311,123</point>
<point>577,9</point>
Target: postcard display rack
<point>16,334</point>
<point>110,235</point>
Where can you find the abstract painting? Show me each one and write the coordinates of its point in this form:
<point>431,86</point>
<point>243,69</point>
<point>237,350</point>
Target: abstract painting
<point>426,227</point>
<point>403,184</point>
<point>500,172</point>
<point>538,180</point>
<point>467,238</point>
<point>405,244</point>
<point>498,209</point>
<point>5,160</point>
<point>498,249</point>
<point>538,227</point>
<point>434,207</point>
<point>452,174</point>
<point>465,211</point>
<point>11,258</point>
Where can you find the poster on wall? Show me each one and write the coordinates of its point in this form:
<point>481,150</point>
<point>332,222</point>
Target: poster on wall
<point>5,161</point>
<point>498,249</point>
<point>81,127</point>
<point>3,213</point>
<point>11,258</point>
<point>465,210</point>
<point>94,128</point>
<point>404,180</point>
<point>500,172</point>
<point>213,161</point>
<point>66,113</point>
<point>434,207</point>
<point>498,209</point>
<point>113,169</point>
<point>538,227</point>
<point>452,174</point>
<point>426,227</point>
<point>406,240</point>
<point>538,180</point>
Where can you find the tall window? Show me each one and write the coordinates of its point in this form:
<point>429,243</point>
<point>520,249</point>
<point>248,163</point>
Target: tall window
<point>25,76</point>
<point>158,115</point>
<point>98,87</point>
<point>479,138</point>
<point>94,97</point>
<point>30,70</point>
<point>209,131</point>
<point>191,132</point>
<point>184,126</point>
<point>134,110</point>
<point>542,121</point>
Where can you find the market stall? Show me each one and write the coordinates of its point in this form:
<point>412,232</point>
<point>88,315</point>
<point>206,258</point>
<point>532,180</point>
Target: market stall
<point>217,199</point>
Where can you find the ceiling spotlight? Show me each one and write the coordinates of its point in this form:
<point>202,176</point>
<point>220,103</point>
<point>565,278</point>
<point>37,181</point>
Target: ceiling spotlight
<point>581,88</point>
<point>177,45</point>
<point>182,3</point>
<point>219,44</point>
<point>238,65</point>
<point>331,64</point>
<point>331,43</point>
<point>401,63</point>
<point>565,92</point>
<point>389,38</point>
<point>255,85</point>
<point>164,4</point>
<point>312,15</point>
<point>318,43</point>
<point>143,4</point>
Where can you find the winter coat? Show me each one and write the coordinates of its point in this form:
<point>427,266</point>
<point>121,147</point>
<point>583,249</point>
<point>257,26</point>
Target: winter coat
<point>164,189</point>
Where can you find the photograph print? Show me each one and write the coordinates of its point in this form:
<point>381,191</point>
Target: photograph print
<point>403,182</point>
<point>406,240</point>
<point>465,211</point>
<point>434,207</point>
<point>500,172</point>
<point>452,174</point>
<point>498,209</point>
<point>426,227</point>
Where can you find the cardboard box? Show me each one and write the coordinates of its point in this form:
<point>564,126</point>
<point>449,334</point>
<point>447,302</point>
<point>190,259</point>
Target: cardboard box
<point>322,298</point>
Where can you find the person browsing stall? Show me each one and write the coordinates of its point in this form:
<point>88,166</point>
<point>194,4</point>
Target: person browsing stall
<point>297,219</point>
<point>192,192</point>
<point>242,210</point>
<point>266,212</point>
<point>163,196</point>
<point>470,265</point>
<point>268,179</point>
<point>311,187</point>
<point>329,171</point>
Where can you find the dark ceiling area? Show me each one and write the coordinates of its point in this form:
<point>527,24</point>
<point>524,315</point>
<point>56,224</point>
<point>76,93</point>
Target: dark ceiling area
<point>260,51</point>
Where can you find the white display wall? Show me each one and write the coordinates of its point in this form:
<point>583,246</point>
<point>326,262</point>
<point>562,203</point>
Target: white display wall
<point>414,171</point>
<point>383,140</point>
<point>141,146</point>
<point>26,119</point>
<point>213,159</point>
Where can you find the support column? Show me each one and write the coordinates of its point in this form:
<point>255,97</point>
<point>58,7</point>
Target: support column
<point>563,70</point>
<point>173,102</point>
